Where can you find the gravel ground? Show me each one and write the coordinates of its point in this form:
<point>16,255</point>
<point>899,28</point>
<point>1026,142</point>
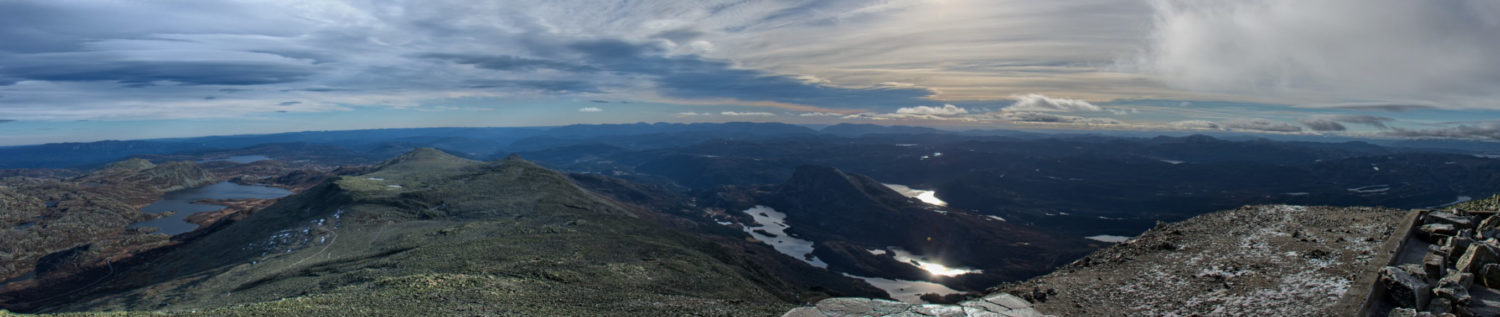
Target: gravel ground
<point>1274,260</point>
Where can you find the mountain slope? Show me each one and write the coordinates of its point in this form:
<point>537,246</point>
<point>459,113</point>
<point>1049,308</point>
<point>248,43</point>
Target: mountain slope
<point>437,234</point>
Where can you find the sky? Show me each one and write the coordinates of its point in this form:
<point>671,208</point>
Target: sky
<point>95,70</point>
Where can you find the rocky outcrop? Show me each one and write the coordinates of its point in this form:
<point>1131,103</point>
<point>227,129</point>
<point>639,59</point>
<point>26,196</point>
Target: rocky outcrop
<point>1459,268</point>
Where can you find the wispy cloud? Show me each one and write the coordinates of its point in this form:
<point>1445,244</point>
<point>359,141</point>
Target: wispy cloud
<point>1334,122</point>
<point>1487,130</point>
<point>590,109</point>
<point>1260,125</point>
<point>747,114</point>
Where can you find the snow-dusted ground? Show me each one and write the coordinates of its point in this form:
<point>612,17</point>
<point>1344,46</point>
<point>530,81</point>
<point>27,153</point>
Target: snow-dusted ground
<point>1254,261</point>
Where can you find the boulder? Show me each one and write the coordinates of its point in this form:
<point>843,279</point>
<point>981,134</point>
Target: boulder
<point>1404,289</point>
<point>1434,264</point>
<point>1489,275</point>
<point>1439,306</point>
<point>1489,223</point>
<point>1458,243</point>
<point>1454,287</point>
<point>1477,256</point>
<point>1434,231</point>
<point>1459,222</point>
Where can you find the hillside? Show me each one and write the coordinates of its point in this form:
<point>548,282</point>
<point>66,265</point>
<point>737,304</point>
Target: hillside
<point>429,232</point>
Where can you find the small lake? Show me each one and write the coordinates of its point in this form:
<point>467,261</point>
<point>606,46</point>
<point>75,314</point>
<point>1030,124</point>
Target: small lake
<point>241,159</point>
<point>770,228</point>
<point>182,202</point>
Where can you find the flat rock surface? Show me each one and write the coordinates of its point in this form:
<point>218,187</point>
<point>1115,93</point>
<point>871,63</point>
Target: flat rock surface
<point>1000,304</point>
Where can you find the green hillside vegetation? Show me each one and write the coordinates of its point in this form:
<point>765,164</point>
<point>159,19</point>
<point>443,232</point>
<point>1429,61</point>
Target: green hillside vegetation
<point>432,234</point>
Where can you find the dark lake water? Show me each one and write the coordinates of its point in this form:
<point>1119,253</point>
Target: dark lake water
<point>182,202</point>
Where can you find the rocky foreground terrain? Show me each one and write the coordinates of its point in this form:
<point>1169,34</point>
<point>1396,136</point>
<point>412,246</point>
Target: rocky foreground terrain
<point>1451,265</point>
<point>1271,260</point>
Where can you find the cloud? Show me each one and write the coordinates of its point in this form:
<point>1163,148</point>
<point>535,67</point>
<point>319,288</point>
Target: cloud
<point>507,62</point>
<point>1323,125</point>
<point>695,77</point>
<point>693,114</point>
<point>1488,130</point>
<point>555,86</point>
<point>1332,122</point>
<point>746,114</point>
<point>599,101</point>
<point>1194,125</point>
<point>820,114</point>
<point>6,120</point>
<point>289,103</point>
<point>1261,125</point>
<point>1045,117</point>
<point>945,110</point>
<point>590,109</point>
<point>1390,107</point>
<point>1435,51</point>
<point>1041,103</point>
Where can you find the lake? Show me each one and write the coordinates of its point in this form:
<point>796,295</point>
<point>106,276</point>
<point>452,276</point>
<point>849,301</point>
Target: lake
<point>182,202</point>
